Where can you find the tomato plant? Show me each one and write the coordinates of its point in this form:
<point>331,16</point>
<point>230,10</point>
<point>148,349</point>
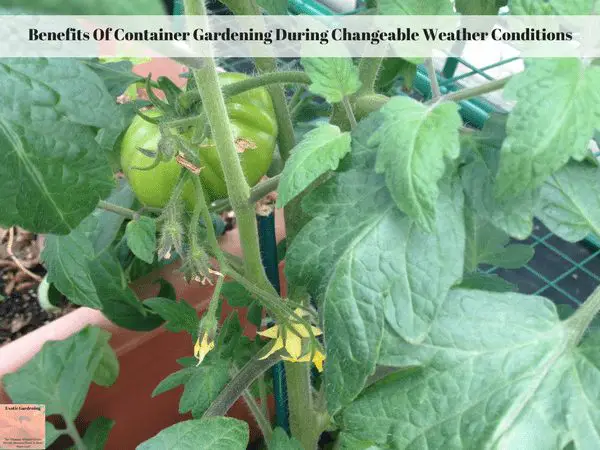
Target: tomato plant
<point>393,206</point>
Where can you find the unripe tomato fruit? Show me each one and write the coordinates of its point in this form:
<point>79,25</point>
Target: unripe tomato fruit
<point>252,118</point>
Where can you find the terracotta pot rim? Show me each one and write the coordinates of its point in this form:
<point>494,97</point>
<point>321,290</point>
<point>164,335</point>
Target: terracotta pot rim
<point>18,352</point>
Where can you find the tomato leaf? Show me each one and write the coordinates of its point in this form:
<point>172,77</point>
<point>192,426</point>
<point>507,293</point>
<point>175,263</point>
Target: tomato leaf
<point>179,316</point>
<point>221,433</point>
<point>514,215</point>
<point>497,371</point>
<point>274,7</point>
<point>205,384</point>
<point>93,277</point>
<point>141,238</point>
<point>552,7</point>
<point>363,152</point>
<point>117,75</point>
<point>393,69</point>
<point>487,244</point>
<point>281,441</point>
<point>367,262</point>
<point>319,151</point>
<point>66,258</point>
<point>416,7</point>
<point>570,202</point>
<point>554,119</point>
<point>96,434</point>
<point>332,78</point>
<point>412,171</point>
<point>479,7</point>
<point>60,375</point>
<point>202,384</point>
<point>52,171</point>
<point>85,7</point>
<point>119,302</point>
<point>486,282</point>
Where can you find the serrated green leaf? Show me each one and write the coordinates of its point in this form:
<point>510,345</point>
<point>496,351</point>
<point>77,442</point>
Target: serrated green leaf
<point>416,7</point>
<point>511,256</point>
<point>119,303</point>
<point>39,194</point>
<point>62,89</point>
<point>553,120</point>
<point>141,238</point>
<point>108,368</point>
<point>363,152</point>
<point>97,432</point>
<point>479,7</point>
<point>175,379</point>
<point>332,78</point>
<point>281,441</point>
<point>66,259</point>
<point>570,202</point>
<point>412,171</point>
<point>108,224</point>
<point>553,7</point>
<point>167,290</point>
<point>498,371</point>
<point>60,375</point>
<point>117,75</point>
<point>487,244</point>
<point>514,215</point>
<point>207,381</point>
<point>486,282</point>
<point>215,433</point>
<point>238,297</point>
<point>179,316</point>
<point>85,7</point>
<point>83,269</point>
<point>236,294</point>
<point>274,7</point>
<point>346,441</point>
<point>393,69</point>
<point>319,151</point>
<point>367,261</point>
<point>255,314</point>
<point>52,171</point>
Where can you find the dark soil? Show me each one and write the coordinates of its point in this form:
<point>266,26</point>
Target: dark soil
<point>20,273</point>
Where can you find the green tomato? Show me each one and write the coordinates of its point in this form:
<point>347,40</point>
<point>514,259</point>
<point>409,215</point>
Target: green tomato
<point>252,118</point>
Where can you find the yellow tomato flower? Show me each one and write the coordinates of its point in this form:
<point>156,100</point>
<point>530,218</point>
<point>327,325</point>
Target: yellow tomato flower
<point>317,359</point>
<point>201,349</point>
<point>292,342</point>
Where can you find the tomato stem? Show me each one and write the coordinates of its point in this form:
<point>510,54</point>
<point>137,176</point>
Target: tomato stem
<point>264,80</point>
<point>241,381</point>
<point>368,69</point>
<point>125,212</point>
<point>433,80</point>
<point>465,94</point>
<point>286,138</point>
<point>203,211</point>
<point>349,112</point>
<point>207,80</point>
<point>581,319</point>
<point>256,193</point>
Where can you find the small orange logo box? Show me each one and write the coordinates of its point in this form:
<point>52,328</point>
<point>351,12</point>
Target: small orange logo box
<point>22,427</point>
